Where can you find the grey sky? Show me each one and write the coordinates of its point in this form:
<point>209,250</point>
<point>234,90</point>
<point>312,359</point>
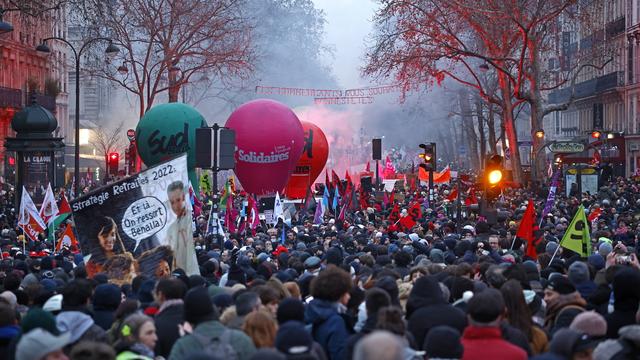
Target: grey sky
<point>348,25</point>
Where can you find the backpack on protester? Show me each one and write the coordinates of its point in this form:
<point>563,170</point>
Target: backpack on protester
<point>220,346</point>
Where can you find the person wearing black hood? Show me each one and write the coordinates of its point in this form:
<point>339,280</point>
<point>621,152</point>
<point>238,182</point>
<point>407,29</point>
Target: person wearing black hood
<point>427,307</point>
<point>106,299</point>
<point>168,293</point>
<point>626,294</point>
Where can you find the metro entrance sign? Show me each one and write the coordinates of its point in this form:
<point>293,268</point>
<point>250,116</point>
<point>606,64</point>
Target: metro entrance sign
<point>566,147</point>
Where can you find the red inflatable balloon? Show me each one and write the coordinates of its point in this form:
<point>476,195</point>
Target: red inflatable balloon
<point>269,140</point>
<point>314,157</point>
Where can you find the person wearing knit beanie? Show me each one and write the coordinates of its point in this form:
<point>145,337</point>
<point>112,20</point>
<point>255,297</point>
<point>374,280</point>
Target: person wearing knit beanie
<point>198,306</point>
<point>604,249</point>
<point>443,342</point>
<point>290,309</point>
<point>590,323</point>
<point>580,278</point>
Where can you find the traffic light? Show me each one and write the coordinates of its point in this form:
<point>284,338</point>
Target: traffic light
<point>428,156</point>
<point>494,175</point>
<point>596,134</point>
<point>113,162</point>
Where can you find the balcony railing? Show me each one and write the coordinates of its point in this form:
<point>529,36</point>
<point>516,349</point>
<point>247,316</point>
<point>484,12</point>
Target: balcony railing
<point>589,88</point>
<point>10,97</point>
<point>616,27</point>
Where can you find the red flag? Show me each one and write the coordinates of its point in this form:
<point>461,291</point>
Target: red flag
<point>526,229</point>
<point>253,216</point>
<point>68,238</point>
<point>594,214</point>
<point>412,184</point>
<point>29,219</point>
<point>327,182</point>
<point>596,157</point>
<point>453,195</point>
<point>394,216</point>
<point>471,197</point>
<point>414,214</point>
<point>364,199</point>
<point>336,181</point>
<point>368,168</point>
<point>63,206</point>
<point>392,197</point>
<point>229,218</point>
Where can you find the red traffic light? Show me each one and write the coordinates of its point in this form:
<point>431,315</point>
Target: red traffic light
<point>113,156</point>
<point>596,134</point>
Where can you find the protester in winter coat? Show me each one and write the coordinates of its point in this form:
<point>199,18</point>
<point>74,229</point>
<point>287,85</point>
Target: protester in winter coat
<point>627,346</point>
<point>572,344</point>
<point>202,318</point>
<point>626,295</point>
<point>330,291</point>
<point>427,308</point>
<point>580,278</point>
<point>564,303</point>
<point>106,299</point>
<point>136,339</point>
<point>518,315</point>
<point>375,299</point>
<point>75,317</point>
<point>482,339</point>
<point>168,294</point>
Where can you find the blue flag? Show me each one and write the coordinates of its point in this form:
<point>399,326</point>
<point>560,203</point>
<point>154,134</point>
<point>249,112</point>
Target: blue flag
<point>284,230</point>
<point>325,198</point>
<point>336,199</point>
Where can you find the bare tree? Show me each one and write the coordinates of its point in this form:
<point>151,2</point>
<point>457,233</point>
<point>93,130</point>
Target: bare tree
<point>108,139</point>
<point>425,41</point>
<point>168,43</point>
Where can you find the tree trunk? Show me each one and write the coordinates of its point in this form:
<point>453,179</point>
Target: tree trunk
<point>536,106</point>
<point>467,124</point>
<point>510,127</point>
<point>480,116</point>
<point>491,124</point>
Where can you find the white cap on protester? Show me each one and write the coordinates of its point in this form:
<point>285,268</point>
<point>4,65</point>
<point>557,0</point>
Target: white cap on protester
<point>37,343</point>
<point>53,304</point>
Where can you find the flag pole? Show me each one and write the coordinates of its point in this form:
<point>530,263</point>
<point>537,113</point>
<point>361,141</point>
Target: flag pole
<point>554,254</point>
<point>53,233</point>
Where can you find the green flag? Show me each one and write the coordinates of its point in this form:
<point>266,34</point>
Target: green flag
<point>576,238</point>
<point>225,195</point>
<point>205,182</point>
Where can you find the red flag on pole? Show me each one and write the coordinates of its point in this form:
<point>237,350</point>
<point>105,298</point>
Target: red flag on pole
<point>327,181</point>
<point>594,214</point>
<point>526,229</point>
<point>68,238</point>
<point>453,195</point>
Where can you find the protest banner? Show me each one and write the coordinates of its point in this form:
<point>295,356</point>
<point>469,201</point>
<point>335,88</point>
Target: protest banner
<point>141,223</point>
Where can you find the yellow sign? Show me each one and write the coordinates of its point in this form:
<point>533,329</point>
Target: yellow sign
<point>576,238</point>
<point>587,171</point>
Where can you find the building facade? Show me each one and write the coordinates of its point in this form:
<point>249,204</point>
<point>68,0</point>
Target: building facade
<point>606,99</point>
<point>24,72</point>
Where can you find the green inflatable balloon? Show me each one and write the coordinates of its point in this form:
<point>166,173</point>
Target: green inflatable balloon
<point>167,130</point>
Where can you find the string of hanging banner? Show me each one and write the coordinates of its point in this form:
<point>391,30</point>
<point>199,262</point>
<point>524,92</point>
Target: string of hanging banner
<point>362,96</point>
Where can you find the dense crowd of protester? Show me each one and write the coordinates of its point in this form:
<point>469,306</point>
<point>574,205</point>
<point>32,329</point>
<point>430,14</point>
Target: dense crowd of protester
<point>351,289</point>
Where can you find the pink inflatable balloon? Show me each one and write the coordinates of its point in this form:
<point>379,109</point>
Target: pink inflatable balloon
<point>269,139</point>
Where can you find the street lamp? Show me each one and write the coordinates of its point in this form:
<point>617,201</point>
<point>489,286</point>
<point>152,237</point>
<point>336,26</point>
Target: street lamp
<point>111,51</point>
<point>122,69</point>
<point>539,134</point>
